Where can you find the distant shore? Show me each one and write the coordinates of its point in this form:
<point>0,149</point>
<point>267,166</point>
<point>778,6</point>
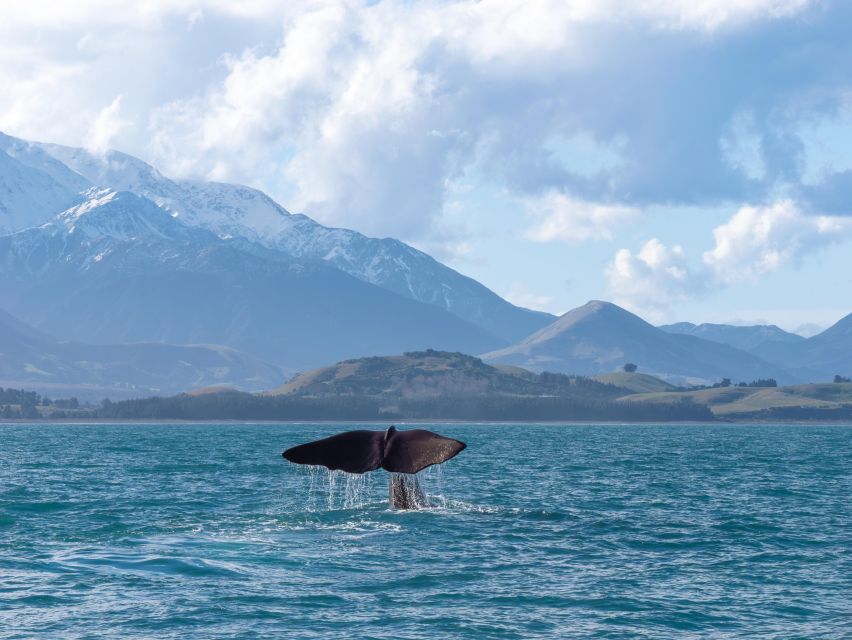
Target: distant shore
<point>723,422</point>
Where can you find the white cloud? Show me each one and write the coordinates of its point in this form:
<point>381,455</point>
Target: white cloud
<point>361,113</point>
<point>106,127</point>
<point>574,221</point>
<point>759,240</point>
<point>653,279</point>
<point>522,296</point>
<point>712,14</point>
<point>58,14</point>
<point>754,242</point>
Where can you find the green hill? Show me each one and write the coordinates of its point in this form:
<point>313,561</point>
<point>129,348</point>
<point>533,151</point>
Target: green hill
<point>808,400</point>
<point>635,382</point>
<point>420,385</point>
<point>433,374</point>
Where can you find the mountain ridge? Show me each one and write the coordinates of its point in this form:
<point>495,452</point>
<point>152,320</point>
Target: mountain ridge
<point>118,268</point>
<point>819,357</point>
<point>232,211</point>
<point>600,337</point>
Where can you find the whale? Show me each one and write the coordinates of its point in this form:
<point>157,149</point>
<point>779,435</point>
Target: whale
<point>403,453</point>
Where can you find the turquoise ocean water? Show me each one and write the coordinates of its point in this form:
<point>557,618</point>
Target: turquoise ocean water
<point>537,531</point>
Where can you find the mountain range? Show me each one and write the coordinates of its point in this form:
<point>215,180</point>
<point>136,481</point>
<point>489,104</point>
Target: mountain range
<point>104,249</point>
<point>813,359</point>
<point>118,268</point>
<point>601,337</point>
<point>47,177</point>
<point>101,252</point>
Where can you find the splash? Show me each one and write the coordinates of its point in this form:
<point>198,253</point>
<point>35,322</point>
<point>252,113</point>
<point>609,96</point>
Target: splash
<point>432,483</point>
<point>357,490</point>
<point>333,490</point>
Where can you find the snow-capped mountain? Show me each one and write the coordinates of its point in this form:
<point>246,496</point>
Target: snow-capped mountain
<point>28,196</point>
<point>118,268</point>
<point>234,211</point>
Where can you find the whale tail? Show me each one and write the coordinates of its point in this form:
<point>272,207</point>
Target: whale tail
<point>414,450</point>
<point>362,451</point>
<point>353,452</point>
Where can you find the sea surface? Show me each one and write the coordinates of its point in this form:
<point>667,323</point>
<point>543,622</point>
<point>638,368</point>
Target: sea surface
<point>536,531</point>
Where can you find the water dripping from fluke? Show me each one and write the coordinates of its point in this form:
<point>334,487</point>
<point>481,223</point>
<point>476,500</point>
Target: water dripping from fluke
<point>349,456</point>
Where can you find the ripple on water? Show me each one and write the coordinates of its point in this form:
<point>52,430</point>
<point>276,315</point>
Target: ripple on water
<point>202,531</point>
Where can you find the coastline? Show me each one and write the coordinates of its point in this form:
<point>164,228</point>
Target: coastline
<point>725,422</point>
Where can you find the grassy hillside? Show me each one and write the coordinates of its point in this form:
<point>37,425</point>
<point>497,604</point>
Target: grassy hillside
<point>438,374</point>
<point>635,382</point>
<point>743,402</point>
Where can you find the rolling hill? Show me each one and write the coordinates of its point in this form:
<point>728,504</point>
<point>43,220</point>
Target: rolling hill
<point>436,374</point>
<point>635,382</point>
<point>744,403</point>
<point>416,385</point>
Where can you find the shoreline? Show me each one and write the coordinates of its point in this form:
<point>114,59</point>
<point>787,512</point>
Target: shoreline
<point>157,421</point>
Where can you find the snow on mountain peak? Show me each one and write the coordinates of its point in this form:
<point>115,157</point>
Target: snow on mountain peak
<point>117,215</point>
<point>95,197</point>
<point>28,195</point>
<point>235,211</point>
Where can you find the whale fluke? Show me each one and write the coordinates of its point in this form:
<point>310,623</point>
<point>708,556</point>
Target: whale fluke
<point>362,451</point>
<point>414,450</point>
<point>352,451</point>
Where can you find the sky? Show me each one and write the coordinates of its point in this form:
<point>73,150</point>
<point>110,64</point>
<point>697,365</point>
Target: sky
<point>687,159</point>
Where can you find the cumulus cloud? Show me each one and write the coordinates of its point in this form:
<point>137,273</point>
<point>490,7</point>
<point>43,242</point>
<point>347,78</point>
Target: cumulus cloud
<point>652,279</point>
<point>361,113</point>
<point>106,127</point>
<point>564,218</point>
<point>758,240</point>
<point>755,241</point>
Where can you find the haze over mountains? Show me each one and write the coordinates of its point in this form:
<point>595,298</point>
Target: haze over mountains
<point>118,268</point>
<point>104,250</point>
<point>600,337</point>
<point>120,371</point>
<point>234,211</point>
<point>765,341</point>
<point>813,359</point>
<point>137,257</point>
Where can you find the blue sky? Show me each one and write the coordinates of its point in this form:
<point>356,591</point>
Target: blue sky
<point>691,160</point>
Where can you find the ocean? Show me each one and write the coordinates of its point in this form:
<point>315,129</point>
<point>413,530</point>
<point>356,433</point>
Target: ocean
<point>535,531</point>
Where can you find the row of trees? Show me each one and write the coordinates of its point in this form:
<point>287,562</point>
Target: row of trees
<point>726,382</point>
<point>16,412</point>
<point>19,404</point>
<point>33,399</point>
